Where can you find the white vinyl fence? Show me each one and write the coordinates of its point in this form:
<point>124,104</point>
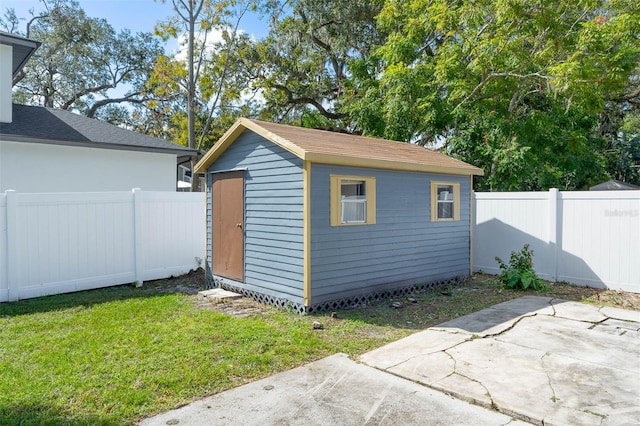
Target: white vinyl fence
<point>588,238</point>
<point>62,242</point>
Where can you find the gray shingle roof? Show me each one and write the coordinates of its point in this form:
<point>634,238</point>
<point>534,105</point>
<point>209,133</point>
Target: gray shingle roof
<point>613,185</point>
<point>55,126</point>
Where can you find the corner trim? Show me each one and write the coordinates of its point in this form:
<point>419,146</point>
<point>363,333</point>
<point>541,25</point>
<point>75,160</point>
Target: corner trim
<point>306,208</point>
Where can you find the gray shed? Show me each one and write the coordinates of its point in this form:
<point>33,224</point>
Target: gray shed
<point>319,220</point>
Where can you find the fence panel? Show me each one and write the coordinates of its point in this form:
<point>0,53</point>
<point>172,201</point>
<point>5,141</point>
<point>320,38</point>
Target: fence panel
<point>601,239</point>
<point>170,239</point>
<point>4,278</point>
<point>61,242</point>
<point>587,238</point>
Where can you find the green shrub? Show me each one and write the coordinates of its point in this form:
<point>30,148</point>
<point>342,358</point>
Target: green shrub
<point>519,273</point>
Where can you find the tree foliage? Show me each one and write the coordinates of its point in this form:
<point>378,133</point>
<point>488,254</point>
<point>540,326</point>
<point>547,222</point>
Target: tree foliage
<point>516,87</point>
<point>80,60</point>
<point>210,78</point>
<point>304,62</point>
<point>538,93</point>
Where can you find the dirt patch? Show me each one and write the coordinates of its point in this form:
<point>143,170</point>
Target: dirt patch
<point>426,309</point>
<point>190,283</point>
<point>562,290</point>
<point>621,299</point>
<point>239,308</point>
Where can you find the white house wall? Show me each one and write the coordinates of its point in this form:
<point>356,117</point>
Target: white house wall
<point>6,54</point>
<point>32,167</point>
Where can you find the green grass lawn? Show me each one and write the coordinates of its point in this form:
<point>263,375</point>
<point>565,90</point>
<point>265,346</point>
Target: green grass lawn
<point>115,355</point>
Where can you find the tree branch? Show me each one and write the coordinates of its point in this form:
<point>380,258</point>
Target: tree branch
<point>493,75</point>
<point>84,92</point>
<point>325,46</point>
<point>628,96</point>
<point>129,98</point>
<point>305,100</point>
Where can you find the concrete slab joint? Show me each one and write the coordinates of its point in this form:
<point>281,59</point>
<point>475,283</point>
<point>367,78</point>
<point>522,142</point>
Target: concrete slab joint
<point>536,359</point>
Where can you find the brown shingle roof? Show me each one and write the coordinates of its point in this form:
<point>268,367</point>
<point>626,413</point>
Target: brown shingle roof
<point>321,146</point>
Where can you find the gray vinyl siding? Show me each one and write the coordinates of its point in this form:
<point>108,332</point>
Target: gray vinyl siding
<point>402,248</point>
<point>273,215</point>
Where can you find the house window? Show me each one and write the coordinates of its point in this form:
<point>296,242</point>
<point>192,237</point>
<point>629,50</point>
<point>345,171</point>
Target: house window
<point>184,174</point>
<point>445,201</point>
<point>353,200</point>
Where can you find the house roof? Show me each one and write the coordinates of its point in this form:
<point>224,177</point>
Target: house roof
<point>613,185</point>
<point>23,48</point>
<point>326,147</point>
<point>33,124</point>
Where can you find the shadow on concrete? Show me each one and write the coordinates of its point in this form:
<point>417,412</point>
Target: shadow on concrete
<point>498,318</point>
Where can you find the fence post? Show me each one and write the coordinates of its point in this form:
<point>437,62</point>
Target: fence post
<point>553,232</point>
<point>137,236</point>
<point>13,264</point>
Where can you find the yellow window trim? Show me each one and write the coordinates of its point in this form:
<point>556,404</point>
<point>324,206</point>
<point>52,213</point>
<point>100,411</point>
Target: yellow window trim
<point>434,201</point>
<point>336,205</point>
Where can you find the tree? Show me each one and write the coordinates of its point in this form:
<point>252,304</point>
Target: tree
<point>623,150</point>
<point>303,65</point>
<point>222,92</point>
<point>81,59</point>
<point>213,72</point>
<point>515,87</point>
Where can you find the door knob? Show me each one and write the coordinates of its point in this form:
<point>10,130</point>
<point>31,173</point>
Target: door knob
<point>239,225</point>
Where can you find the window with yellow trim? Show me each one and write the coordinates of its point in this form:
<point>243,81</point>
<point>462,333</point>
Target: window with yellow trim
<point>353,200</point>
<point>445,201</point>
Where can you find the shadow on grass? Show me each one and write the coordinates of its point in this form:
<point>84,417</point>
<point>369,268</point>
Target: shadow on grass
<point>186,284</point>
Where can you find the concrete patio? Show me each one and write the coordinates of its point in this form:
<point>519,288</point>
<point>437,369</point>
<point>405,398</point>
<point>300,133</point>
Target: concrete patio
<point>537,359</point>
<point>533,359</point>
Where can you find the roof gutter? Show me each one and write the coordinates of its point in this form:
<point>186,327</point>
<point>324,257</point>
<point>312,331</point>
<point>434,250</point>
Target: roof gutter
<point>98,145</point>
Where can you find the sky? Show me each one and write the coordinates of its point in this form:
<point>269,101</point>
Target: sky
<point>135,15</point>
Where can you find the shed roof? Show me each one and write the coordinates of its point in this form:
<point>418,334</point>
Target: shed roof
<point>613,185</point>
<point>61,127</point>
<point>326,147</point>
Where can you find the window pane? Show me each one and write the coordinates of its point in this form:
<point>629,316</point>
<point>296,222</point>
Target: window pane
<point>445,192</point>
<point>354,201</point>
<point>351,188</point>
<point>445,201</point>
<point>354,211</point>
<point>445,210</point>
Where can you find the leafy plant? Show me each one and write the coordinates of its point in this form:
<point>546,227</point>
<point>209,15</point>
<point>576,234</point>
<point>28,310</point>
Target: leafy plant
<point>519,273</point>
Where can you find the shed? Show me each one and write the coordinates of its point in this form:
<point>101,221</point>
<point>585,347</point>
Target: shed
<point>317,220</point>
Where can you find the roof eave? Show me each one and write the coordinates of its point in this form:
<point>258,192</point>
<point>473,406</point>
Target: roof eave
<point>97,145</point>
<point>233,133</point>
<point>13,40</point>
<point>391,165</point>
<point>223,143</point>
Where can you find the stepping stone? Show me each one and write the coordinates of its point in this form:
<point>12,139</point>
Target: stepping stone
<point>218,294</point>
